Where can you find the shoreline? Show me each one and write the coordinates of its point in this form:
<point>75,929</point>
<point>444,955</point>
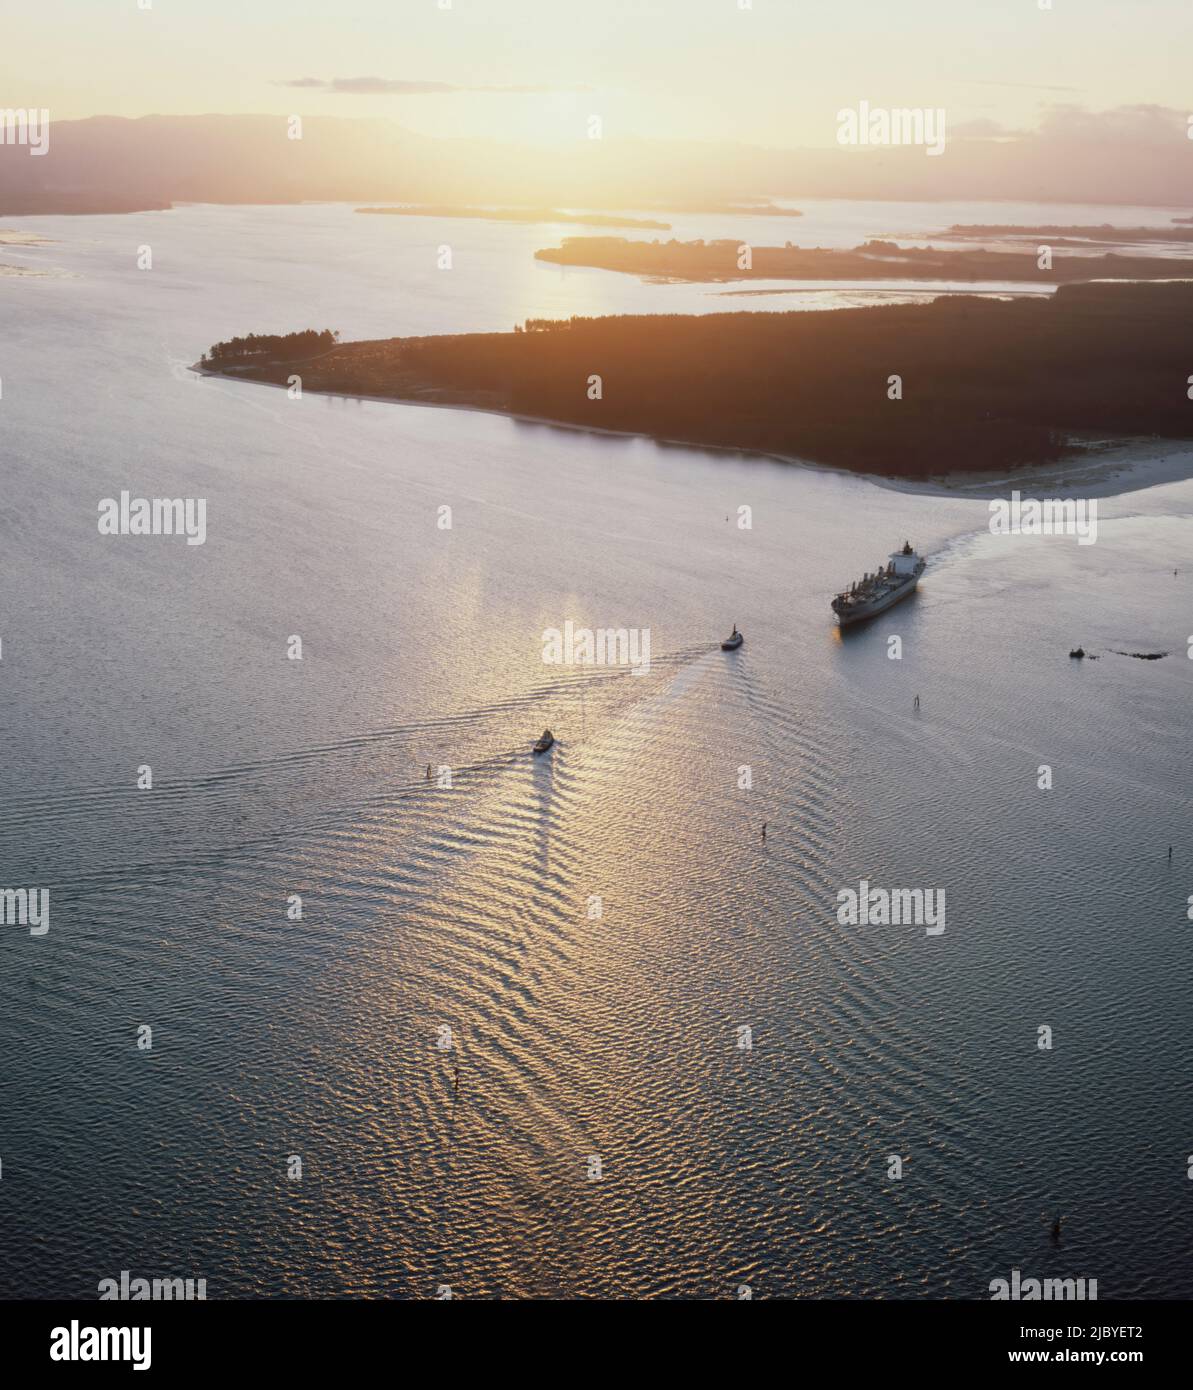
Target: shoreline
<point>1117,466</point>
<point>718,262</point>
<point>1111,468</point>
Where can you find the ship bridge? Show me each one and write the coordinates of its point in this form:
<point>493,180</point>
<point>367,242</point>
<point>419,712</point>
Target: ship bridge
<point>904,562</point>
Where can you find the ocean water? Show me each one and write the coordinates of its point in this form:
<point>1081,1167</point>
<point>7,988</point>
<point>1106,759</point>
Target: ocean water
<point>595,928</point>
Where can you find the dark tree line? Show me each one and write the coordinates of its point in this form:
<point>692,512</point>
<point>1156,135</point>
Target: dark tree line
<point>985,383</point>
<point>284,346</point>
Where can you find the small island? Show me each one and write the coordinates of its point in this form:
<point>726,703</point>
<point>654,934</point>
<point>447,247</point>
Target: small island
<point>723,261</point>
<point>737,207</point>
<point>525,215</point>
<point>47,202</point>
<point>1058,235</point>
<point>910,390</point>
<point>615,218</point>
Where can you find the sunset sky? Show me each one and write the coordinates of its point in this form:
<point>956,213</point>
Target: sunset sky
<point>679,69</point>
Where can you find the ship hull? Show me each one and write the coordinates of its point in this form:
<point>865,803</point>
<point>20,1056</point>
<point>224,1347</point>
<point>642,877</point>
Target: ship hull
<point>861,612</point>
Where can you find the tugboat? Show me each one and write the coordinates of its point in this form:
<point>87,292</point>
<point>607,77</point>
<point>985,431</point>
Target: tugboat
<point>544,743</point>
<point>876,592</point>
<point>732,642</point>
<point>1078,652</point>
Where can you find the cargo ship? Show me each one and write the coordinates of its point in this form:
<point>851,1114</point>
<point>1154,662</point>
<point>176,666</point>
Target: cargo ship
<point>874,593</point>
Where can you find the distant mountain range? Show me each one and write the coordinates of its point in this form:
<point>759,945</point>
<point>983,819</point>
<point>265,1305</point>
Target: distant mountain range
<point>107,164</point>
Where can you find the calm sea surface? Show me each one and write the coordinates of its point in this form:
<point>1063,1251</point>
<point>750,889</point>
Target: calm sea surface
<point>589,1036</point>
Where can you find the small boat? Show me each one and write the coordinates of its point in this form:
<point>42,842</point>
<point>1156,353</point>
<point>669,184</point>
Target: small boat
<point>731,643</point>
<point>1077,652</point>
<point>545,742</point>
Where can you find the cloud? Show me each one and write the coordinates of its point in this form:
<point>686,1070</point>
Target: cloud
<point>982,128</point>
<point>388,86</point>
<point>1142,124</point>
<point>1020,86</point>
<point>1137,129</point>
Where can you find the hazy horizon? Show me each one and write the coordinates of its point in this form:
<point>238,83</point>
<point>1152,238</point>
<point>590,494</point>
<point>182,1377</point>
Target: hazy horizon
<point>1040,103</point>
<point>701,70</point>
<point>1139,156</point>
